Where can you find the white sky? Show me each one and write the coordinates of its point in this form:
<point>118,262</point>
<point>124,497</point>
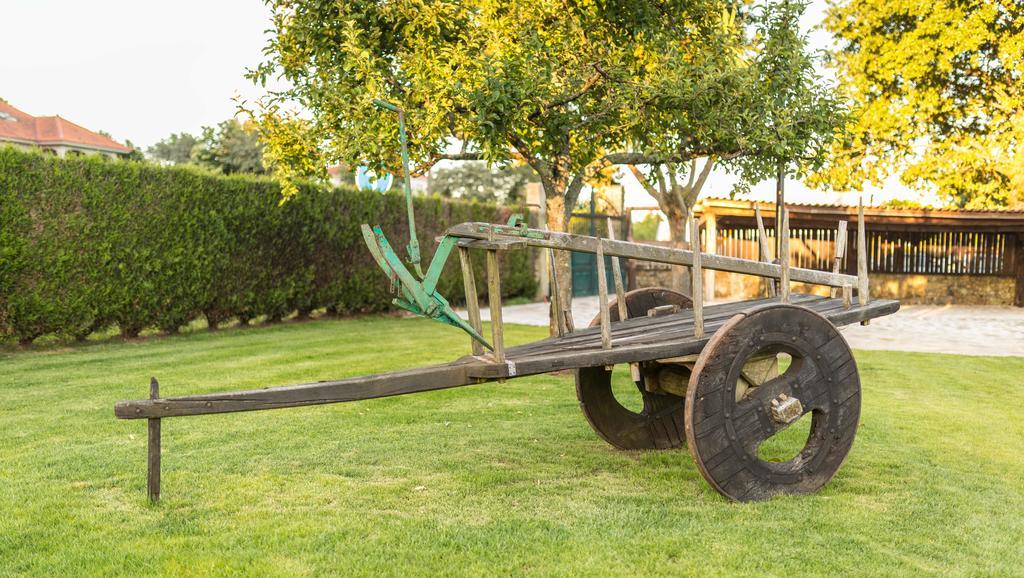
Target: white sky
<point>138,69</point>
<point>142,70</point>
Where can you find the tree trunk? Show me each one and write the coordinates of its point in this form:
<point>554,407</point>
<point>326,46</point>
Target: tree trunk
<point>677,219</point>
<point>557,221</point>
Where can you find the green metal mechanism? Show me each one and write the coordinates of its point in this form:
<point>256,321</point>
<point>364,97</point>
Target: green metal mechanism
<point>416,294</point>
<point>413,248</point>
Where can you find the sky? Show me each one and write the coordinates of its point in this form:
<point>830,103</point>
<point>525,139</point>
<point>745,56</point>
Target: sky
<point>142,70</point>
<point>138,69</point>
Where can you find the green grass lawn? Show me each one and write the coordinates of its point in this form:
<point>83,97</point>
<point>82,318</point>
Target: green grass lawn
<point>490,479</point>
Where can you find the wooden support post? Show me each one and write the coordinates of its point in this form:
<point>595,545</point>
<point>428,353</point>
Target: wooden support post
<point>570,324</point>
<point>494,300</point>
<point>862,259</point>
<point>472,300</point>
<point>765,251</point>
<point>556,301</point>
<point>697,280</point>
<point>153,463</point>
<point>711,248</point>
<point>1018,262</point>
<point>784,257</point>
<point>847,296</point>
<point>840,250</point>
<point>620,291</point>
<point>620,300</point>
<point>602,296</point>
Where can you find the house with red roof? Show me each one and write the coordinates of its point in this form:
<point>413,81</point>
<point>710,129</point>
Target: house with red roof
<point>54,135</point>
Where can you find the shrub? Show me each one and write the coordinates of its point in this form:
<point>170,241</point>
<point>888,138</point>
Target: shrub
<point>87,243</point>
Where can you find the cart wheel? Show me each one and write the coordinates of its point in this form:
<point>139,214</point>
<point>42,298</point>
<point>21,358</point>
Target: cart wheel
<point>725,426</point>
<point>660,424</point>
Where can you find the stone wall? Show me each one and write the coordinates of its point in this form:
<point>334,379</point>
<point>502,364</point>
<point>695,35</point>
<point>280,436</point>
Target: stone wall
<point>910,289</point>
<point>945,289</point>
<point>652,274</point>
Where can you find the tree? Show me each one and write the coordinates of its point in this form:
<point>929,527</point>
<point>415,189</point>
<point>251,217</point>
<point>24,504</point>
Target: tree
<point>647,228</point>
<point>770,113</point>
<point>552,84</point>
<point>175,149</point>
<point>135,154</point>
<point>475,180</point>
<point>132,155</point>
<point>938,91</point>
<point>231,147</point>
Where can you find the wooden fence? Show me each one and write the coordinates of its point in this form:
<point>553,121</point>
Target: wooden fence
<point>901,252</point>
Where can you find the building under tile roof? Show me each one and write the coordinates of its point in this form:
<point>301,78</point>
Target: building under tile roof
<point>54,134</point>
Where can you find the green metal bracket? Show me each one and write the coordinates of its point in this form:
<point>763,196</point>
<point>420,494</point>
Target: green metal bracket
<point>420,298</point>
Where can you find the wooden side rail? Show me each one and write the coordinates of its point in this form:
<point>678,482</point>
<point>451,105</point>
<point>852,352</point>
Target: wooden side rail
<point>654,253</point>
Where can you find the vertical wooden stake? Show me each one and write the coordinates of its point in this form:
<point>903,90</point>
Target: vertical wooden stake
<point>847,296</point>
<point>472,300</point>
<point>862,259</point>
<point>620,300</point>
<point>697,280</point>
<point>711,248</point>
<point>556,302</point>
<point>620,291</point>
<point>494,300</point>
<point>765,251</point>
<point>840,250</point>
<point>153,463</point>
<point>784,258</point>
<point>602,296</point>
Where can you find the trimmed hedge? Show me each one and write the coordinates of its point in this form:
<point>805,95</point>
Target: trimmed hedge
<point>87,243</point>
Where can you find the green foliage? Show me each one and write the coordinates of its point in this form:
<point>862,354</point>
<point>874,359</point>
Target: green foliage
<point>475,180</point>
<point>135,154</point>
<point>556,85</point>
<point>647,228</point>
<point>938,94</point>
<point>752,109</point>
<point>86,243</point>
<point>903,204</point>
<point>175,149</point>
<point>230,147</point>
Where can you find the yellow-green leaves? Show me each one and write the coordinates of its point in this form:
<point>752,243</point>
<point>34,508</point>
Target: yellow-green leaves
<point>291,150</point>
<point>937,86</point>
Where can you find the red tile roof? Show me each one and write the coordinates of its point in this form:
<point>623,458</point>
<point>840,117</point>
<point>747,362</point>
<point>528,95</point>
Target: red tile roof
<point>19,126</point>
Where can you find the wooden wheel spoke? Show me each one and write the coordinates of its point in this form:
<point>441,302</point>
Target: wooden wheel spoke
<point>758,427</point>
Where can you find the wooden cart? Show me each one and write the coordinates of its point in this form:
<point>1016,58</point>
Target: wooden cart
<point>709,376</point>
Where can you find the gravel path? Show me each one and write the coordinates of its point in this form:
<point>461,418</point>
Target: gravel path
<point>966,330</point>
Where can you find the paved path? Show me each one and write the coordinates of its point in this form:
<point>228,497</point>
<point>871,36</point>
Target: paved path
<point>967,330</point>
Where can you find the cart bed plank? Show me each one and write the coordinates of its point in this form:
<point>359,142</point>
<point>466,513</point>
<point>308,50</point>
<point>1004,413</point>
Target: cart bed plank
<point>645,338</point>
